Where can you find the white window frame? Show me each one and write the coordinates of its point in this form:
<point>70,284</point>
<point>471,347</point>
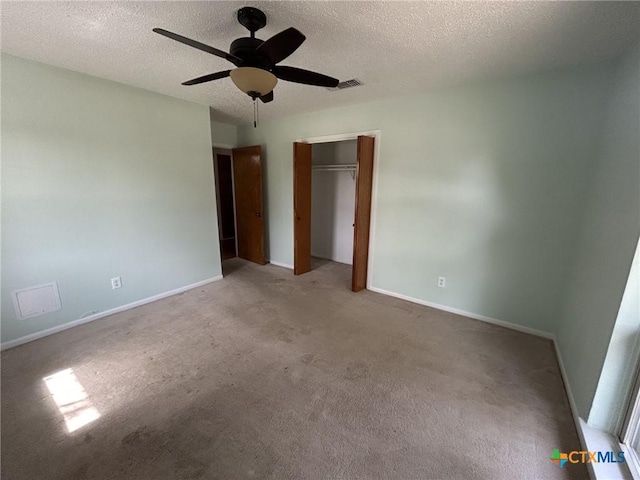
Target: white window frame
<point>630,429</point>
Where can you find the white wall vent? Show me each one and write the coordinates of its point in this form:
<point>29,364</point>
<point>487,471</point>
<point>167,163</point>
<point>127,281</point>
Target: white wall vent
<point>37,300</point>
<point>354,82</point>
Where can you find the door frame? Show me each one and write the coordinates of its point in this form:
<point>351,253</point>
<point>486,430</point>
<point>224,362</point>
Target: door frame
<point>339,137</point>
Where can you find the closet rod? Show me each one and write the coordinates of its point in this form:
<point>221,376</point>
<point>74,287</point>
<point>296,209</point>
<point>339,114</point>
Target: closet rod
<point>335,167</point>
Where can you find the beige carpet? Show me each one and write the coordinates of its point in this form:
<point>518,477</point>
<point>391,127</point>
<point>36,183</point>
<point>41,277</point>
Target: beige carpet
<point>267,375</point>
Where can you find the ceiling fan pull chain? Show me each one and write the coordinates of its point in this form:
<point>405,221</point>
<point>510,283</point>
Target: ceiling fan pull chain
<point>255,113</point>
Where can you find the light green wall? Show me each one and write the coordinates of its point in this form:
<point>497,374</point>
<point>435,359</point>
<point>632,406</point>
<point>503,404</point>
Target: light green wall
<point>482,184</point>
<point>223,134</point>
<point>99,180</point>
<point>608,237</point>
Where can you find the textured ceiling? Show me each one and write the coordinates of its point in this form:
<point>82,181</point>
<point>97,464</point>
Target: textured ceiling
<point>394,48</point>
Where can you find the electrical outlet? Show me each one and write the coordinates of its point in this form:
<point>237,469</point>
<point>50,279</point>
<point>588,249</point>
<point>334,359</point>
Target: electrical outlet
<point>116,282</point>
<point>442,282</point>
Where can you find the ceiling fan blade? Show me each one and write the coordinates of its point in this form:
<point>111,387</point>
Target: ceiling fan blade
<point>207,78</point>
<point>281,45</point>
<point>267,98</point>
<point>298,75</point>
<point>200,46</point>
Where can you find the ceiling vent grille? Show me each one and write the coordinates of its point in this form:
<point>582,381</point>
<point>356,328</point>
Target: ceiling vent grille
<point>347,84</point>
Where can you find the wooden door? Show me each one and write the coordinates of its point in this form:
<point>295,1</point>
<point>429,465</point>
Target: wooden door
<point>362,223</point>
<point>301,208</point>
<point>247,180</point>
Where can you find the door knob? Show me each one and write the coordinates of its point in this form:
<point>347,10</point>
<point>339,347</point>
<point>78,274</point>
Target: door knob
<point>258,214</point>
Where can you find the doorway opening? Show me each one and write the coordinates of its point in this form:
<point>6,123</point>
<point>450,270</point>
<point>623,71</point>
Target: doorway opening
<point>223,169</point>
<point>332,197</point>
<point>238,186</point>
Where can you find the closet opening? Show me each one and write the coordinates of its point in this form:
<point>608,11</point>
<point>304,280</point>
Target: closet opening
<point>333,203</point>
<point>333,184</point>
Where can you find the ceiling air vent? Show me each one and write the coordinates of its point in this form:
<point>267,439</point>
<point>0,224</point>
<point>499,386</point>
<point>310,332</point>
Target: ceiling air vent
<point>347,84</point>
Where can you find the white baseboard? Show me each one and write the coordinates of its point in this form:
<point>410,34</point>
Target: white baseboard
<point>279,264</point>
<point>475,316</point>
<point>567,387</point>
<point>50,331</point>
<point>572,405</point>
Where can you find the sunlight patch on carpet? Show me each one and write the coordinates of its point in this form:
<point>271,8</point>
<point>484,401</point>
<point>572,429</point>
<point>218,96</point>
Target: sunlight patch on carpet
<point>71,399</point>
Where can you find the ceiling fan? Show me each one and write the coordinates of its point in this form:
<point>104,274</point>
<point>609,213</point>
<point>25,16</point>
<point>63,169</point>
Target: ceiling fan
<point>257,72</point>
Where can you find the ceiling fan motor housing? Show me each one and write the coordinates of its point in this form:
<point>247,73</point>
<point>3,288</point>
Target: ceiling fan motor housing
<point>245,49</point>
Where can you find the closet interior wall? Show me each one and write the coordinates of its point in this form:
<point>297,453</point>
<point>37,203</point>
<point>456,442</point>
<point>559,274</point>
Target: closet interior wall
<point>333,201</point>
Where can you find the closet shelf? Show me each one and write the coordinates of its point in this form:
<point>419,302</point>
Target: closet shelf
<point>337,167</point>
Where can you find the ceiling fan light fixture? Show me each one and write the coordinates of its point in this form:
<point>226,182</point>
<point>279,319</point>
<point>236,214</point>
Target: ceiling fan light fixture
<point>255,82</point>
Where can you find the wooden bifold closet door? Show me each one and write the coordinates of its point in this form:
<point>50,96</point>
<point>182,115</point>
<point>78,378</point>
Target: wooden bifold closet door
<point>301,208</point>
<point>362,223</point>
